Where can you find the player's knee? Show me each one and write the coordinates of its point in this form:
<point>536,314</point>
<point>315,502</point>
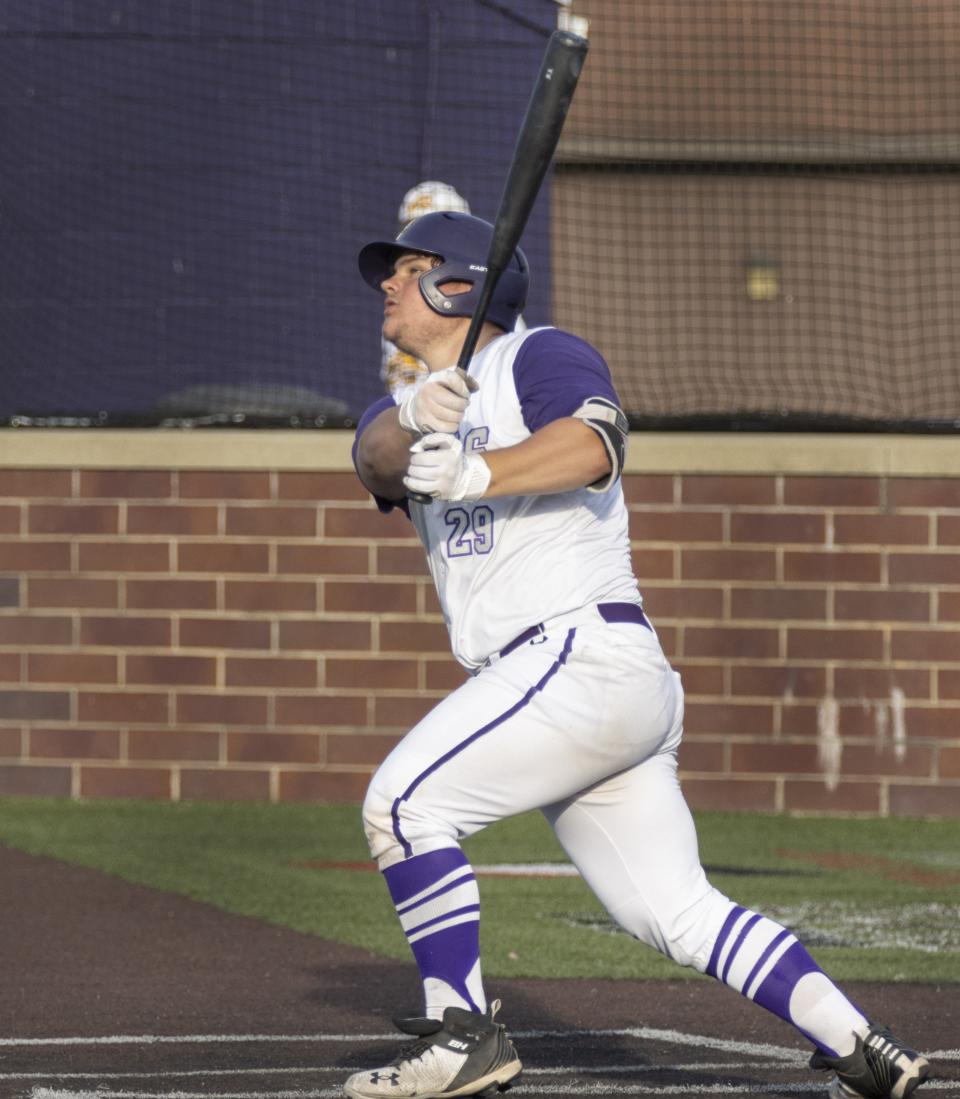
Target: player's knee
<point>396,827</point>
<point>686,937</point>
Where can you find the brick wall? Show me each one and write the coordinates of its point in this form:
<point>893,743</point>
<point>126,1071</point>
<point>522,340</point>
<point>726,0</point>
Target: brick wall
<point>264,633</point>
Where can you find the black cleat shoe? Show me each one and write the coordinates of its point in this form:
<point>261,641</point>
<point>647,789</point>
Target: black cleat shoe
<point>467,1054</point>
<point>880,1067</point>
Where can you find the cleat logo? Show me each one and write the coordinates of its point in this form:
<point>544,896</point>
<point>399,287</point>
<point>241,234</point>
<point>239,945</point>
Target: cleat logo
<point>393,1077</point>
<point>454,1044</point>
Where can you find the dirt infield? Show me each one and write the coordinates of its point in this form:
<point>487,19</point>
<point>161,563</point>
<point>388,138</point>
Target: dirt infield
<point>116,990</point>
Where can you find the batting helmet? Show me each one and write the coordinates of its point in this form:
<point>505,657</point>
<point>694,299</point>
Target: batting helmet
<point>462,242</point>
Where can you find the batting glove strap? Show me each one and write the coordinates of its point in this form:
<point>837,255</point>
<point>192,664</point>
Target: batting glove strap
<point>440,468</point>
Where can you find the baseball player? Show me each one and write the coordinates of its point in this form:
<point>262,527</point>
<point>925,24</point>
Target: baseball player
<point>571,706</point>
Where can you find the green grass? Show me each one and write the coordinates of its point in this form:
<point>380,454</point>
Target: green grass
<point>861,923</point>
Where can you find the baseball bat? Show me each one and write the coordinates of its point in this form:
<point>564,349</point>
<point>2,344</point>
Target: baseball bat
<point>536,143</point>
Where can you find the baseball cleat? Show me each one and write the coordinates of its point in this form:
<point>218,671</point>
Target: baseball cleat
<point>467,1054</point>
<point>881,1067</point>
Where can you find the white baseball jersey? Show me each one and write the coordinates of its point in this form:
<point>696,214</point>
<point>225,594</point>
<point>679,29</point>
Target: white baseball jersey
<point>505,564</point>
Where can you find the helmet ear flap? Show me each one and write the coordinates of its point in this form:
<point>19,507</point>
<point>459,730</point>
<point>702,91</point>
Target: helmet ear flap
<point>457,305</point>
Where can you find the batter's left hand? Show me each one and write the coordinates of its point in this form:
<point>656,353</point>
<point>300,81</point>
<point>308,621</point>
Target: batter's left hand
<point>440,468</point>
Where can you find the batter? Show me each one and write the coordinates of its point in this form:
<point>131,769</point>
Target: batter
<point>571,707</point>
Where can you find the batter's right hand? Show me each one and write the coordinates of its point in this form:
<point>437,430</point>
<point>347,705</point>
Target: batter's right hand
<point>437,403</point>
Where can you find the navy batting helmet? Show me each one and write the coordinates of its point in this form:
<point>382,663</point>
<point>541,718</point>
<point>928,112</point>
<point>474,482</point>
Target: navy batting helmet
<point>462,242</point>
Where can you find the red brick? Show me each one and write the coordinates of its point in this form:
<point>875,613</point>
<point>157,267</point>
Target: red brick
<point>381,673</point>
<point>701,679</point>
<point>31,556</point>
<point>887,605</point>
<point>162,670</point>
<point>224,633</point>
<point>798,719</point>
<point>283,522</point>
<point>373,596</point>
<point>79,593</point>
<point>648,488</point>
<point>444,675</point>
<point>35,630</point>
<point>223,485</point>
<point>424,637</point>
<point>858,492</point>
<point>73,519</point>
<point>702,755</point>
<point>28,483</point>
<point>164,595</point>
<point>731,564</point>
<point>948,683</point>
<point>10,667</point>
<point>878,683</point>
<point>676,526</point>
<point>273,748</point>
<point>126,484</point>
<point>124,557</point>
<point>924,800</point>
<point>172,519</point>
<point>400,561</point>
<point>728,718</point>
<point>123,631</point>
<point>780,526</point>
<point>125,782</point>
<point>948,530</point>
<point>927,645</point>
<point>270,672</point>
<point>320,486</point>
<point>774,758</point>
<point>778,603</point>
<point>321,635</point>
<point>223,557</point>
<point>221,709</point>
<point>728,643</point>
<point>941,722</point>
<point>18,779</point>
<point>122,706</point>
<point>923,492</point>
<point>784,681</point>
<point>10,519</point>
<point>331,786</point>
<point>172,745</point>
<point>832,566</point>
<point>323,560</point>
<point>730,794</point>
<point>224,785</point>
<point>74,743</point>
<point>11,743</point>
<point>365,522</point>
<point>834,644</point>
<point>9,591</point>
<point>298,596</point>
<point>924,568</point>
<point>848,797</point>
<point>315,710</point>
<point>864,760</point>
<point>949,763</point>
<point>22,705</point>
<point>368,750</point>
<point>654,564</point>
<point>682,601</point>
<point>71,667</point>
<point>401,712</point>
<point>882,530</point>
<point>726,489</point>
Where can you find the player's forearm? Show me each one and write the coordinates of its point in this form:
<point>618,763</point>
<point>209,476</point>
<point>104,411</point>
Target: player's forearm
<point>564,455</point>
<point>383,454</point>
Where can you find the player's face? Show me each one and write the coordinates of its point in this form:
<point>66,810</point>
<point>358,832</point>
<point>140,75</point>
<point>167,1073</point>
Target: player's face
<point>407,319</point>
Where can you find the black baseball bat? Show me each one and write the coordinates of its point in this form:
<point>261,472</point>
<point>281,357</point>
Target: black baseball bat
<point>536,143</point>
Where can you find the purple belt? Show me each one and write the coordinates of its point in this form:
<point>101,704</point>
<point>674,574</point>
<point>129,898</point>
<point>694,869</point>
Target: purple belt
<point>609,612</point>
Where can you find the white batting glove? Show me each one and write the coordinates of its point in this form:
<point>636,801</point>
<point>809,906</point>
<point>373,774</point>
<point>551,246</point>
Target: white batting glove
<point>440,468</point>
<point>437,403</point>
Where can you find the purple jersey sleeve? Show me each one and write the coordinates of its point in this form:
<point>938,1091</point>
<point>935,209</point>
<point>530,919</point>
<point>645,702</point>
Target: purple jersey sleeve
<point>555,372</point>
<point>365,420</point>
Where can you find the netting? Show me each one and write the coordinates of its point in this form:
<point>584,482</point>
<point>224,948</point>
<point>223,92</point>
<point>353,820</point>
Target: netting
<point>754,212</point>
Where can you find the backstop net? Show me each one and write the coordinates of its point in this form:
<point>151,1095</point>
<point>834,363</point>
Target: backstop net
<point>754,212</point>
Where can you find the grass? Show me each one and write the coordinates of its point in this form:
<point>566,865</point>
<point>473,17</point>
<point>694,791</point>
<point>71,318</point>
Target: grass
<point>891,913</point>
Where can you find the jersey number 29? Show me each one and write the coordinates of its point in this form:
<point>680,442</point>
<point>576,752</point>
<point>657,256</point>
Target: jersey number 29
<point>471,530</point>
